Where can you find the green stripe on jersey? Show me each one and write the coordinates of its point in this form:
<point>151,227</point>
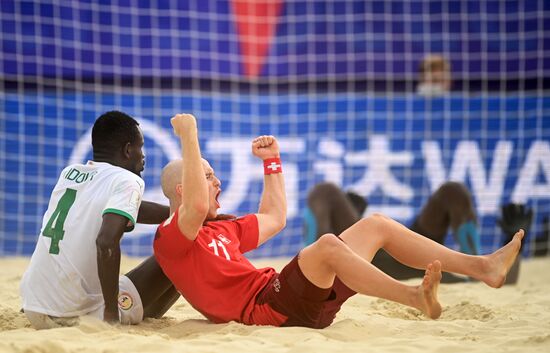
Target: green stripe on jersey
<point>122,213</point>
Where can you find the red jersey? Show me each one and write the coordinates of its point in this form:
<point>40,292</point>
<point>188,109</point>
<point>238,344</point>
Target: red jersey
<point>211,272</point>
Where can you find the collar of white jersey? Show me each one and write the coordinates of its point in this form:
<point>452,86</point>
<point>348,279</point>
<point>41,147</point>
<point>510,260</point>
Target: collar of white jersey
<point>90,162</point>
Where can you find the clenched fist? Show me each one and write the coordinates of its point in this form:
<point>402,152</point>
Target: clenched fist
<point>265,146</point>
<point>183,122</point>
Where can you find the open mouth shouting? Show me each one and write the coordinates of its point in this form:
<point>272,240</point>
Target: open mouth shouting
<point>216,198</point>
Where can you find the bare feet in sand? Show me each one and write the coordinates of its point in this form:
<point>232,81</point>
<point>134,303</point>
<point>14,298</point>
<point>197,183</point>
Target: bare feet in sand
<point>427,291</point>
<point>500,261</point>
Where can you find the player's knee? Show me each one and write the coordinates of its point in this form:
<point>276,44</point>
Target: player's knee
<point>323,191</point>
<point>460,204</point>
<point>379,216</point>
<point>328,244</point>
<point>326,186</point>
<point>455,190</point>
<point>375,219</point>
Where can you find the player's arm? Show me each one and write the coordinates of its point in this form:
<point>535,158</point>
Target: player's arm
<point>108,261</point>
<point>194,206</point>
<point>272,211</point>
<point>152,213</point>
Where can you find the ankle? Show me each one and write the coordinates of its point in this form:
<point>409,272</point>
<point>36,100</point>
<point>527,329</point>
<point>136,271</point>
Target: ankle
<point>415,295</point>
<point>484,266</point>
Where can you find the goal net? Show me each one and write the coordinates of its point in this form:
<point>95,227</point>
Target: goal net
<point>337,82</point>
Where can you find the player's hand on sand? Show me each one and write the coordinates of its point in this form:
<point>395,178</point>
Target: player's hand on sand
<point>182,123</point>
<point>265,146</point>
<point>111,316</point>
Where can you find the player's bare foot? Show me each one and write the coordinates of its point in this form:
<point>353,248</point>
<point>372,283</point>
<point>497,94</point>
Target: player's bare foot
<point>427,291</point>
<point>500,262</point>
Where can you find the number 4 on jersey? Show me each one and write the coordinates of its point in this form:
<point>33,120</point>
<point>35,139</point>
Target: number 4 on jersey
<point>54,228</point>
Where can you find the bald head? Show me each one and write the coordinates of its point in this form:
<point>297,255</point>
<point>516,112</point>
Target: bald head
<point>170,177</point>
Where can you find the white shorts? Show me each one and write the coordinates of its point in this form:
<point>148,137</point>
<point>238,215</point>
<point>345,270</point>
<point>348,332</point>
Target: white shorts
<point>130,307</point>
<point>130,310</point>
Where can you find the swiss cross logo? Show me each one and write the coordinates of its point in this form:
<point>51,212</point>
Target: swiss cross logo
<point>224,239</point>
<point>275,167</point>
<point>272,166</point>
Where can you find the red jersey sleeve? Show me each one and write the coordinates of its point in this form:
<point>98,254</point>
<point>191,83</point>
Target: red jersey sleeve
<point>248,232</point>
<point>169,240</point>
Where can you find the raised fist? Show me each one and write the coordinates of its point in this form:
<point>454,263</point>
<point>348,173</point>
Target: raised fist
<point>265,146</point>
<point>183,122</point>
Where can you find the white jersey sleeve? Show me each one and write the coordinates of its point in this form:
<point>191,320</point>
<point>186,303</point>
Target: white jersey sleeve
<point>125,199</point>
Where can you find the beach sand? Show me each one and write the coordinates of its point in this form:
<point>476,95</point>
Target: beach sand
<point>475,318</point>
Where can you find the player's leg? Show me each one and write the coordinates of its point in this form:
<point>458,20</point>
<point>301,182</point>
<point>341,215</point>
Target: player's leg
<point>450,206</point>
<point>331,210</point>
<point>394,268</point>
<point>155,289</point>
<point>159,307</point>
<point>329,257</point>
<point>397,270</point>
<point>414,250</point>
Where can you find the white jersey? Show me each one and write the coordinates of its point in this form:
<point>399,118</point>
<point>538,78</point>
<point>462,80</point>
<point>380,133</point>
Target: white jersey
<point>62,278</point>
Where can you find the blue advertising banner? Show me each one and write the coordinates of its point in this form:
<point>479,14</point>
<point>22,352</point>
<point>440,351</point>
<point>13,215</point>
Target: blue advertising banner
<point>393,150</point>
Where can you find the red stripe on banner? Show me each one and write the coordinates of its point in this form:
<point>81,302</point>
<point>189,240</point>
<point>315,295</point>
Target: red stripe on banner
<point>256,23</point>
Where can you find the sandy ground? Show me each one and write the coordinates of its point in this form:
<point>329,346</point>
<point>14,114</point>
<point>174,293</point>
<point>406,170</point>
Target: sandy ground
<point>475,318</point>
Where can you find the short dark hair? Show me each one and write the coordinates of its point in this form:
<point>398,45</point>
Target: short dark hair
<point>113,130</point>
